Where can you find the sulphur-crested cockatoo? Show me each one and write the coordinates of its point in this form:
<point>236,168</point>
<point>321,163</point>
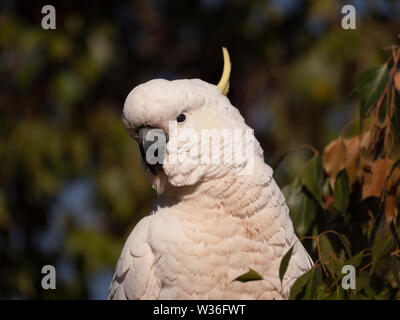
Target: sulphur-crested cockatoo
<point>214,220</point>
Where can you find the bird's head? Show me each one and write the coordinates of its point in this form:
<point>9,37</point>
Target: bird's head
<point>188,131</point>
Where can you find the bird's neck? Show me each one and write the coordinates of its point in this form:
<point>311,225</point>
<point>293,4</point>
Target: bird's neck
<point>237,195</point>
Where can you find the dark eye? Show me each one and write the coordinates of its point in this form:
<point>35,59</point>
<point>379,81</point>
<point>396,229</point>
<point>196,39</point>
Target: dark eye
<point>181,117</point>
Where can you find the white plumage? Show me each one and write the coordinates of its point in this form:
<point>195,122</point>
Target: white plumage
<point>209,225</point>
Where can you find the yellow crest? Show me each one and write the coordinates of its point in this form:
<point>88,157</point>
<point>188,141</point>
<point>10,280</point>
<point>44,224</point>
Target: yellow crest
<point>223,84</point>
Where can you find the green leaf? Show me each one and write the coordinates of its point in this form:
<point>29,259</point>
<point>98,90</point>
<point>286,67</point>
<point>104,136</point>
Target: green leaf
<point>323,293</point>
<point>394,265</point>
<point>370,86</point>
<point>302,210</point>
<point>285,262</point>
<point>362,282</point>
<point>341,192</point>
<point>353,261</point>
<point>312,285</point>
<point>340,293</point>
<point>300,283</point>
<point>311,177</point>
<point>370,291</point>
<point>251,275</point>
<point>346,243</point>
<point>328,254</point>
<point>383,242</point>
<point>356,259</point>
<point>381,247</point>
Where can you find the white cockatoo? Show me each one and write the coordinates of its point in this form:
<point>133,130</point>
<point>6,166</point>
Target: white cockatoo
<point>213,221</point>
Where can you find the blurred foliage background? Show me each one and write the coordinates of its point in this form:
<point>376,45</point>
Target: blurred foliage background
<point>71,187</point>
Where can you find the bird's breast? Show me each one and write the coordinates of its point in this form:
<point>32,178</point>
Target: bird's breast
<point>199,254</point>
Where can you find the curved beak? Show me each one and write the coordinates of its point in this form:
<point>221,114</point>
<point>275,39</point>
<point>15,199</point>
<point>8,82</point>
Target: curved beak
<point>152,145</point>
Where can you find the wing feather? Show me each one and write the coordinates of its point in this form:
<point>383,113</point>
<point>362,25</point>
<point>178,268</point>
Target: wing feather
<point>135,265</point>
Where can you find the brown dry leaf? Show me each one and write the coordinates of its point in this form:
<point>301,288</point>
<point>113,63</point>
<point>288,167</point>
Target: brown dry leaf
<point>334,159</point>
<point>391,209</point>
<point>394,180</point>
<point>355,162</point>
<point>365,139</point>
<point>397,81</point>
<point>375,179</point>
<point>352,157</point>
